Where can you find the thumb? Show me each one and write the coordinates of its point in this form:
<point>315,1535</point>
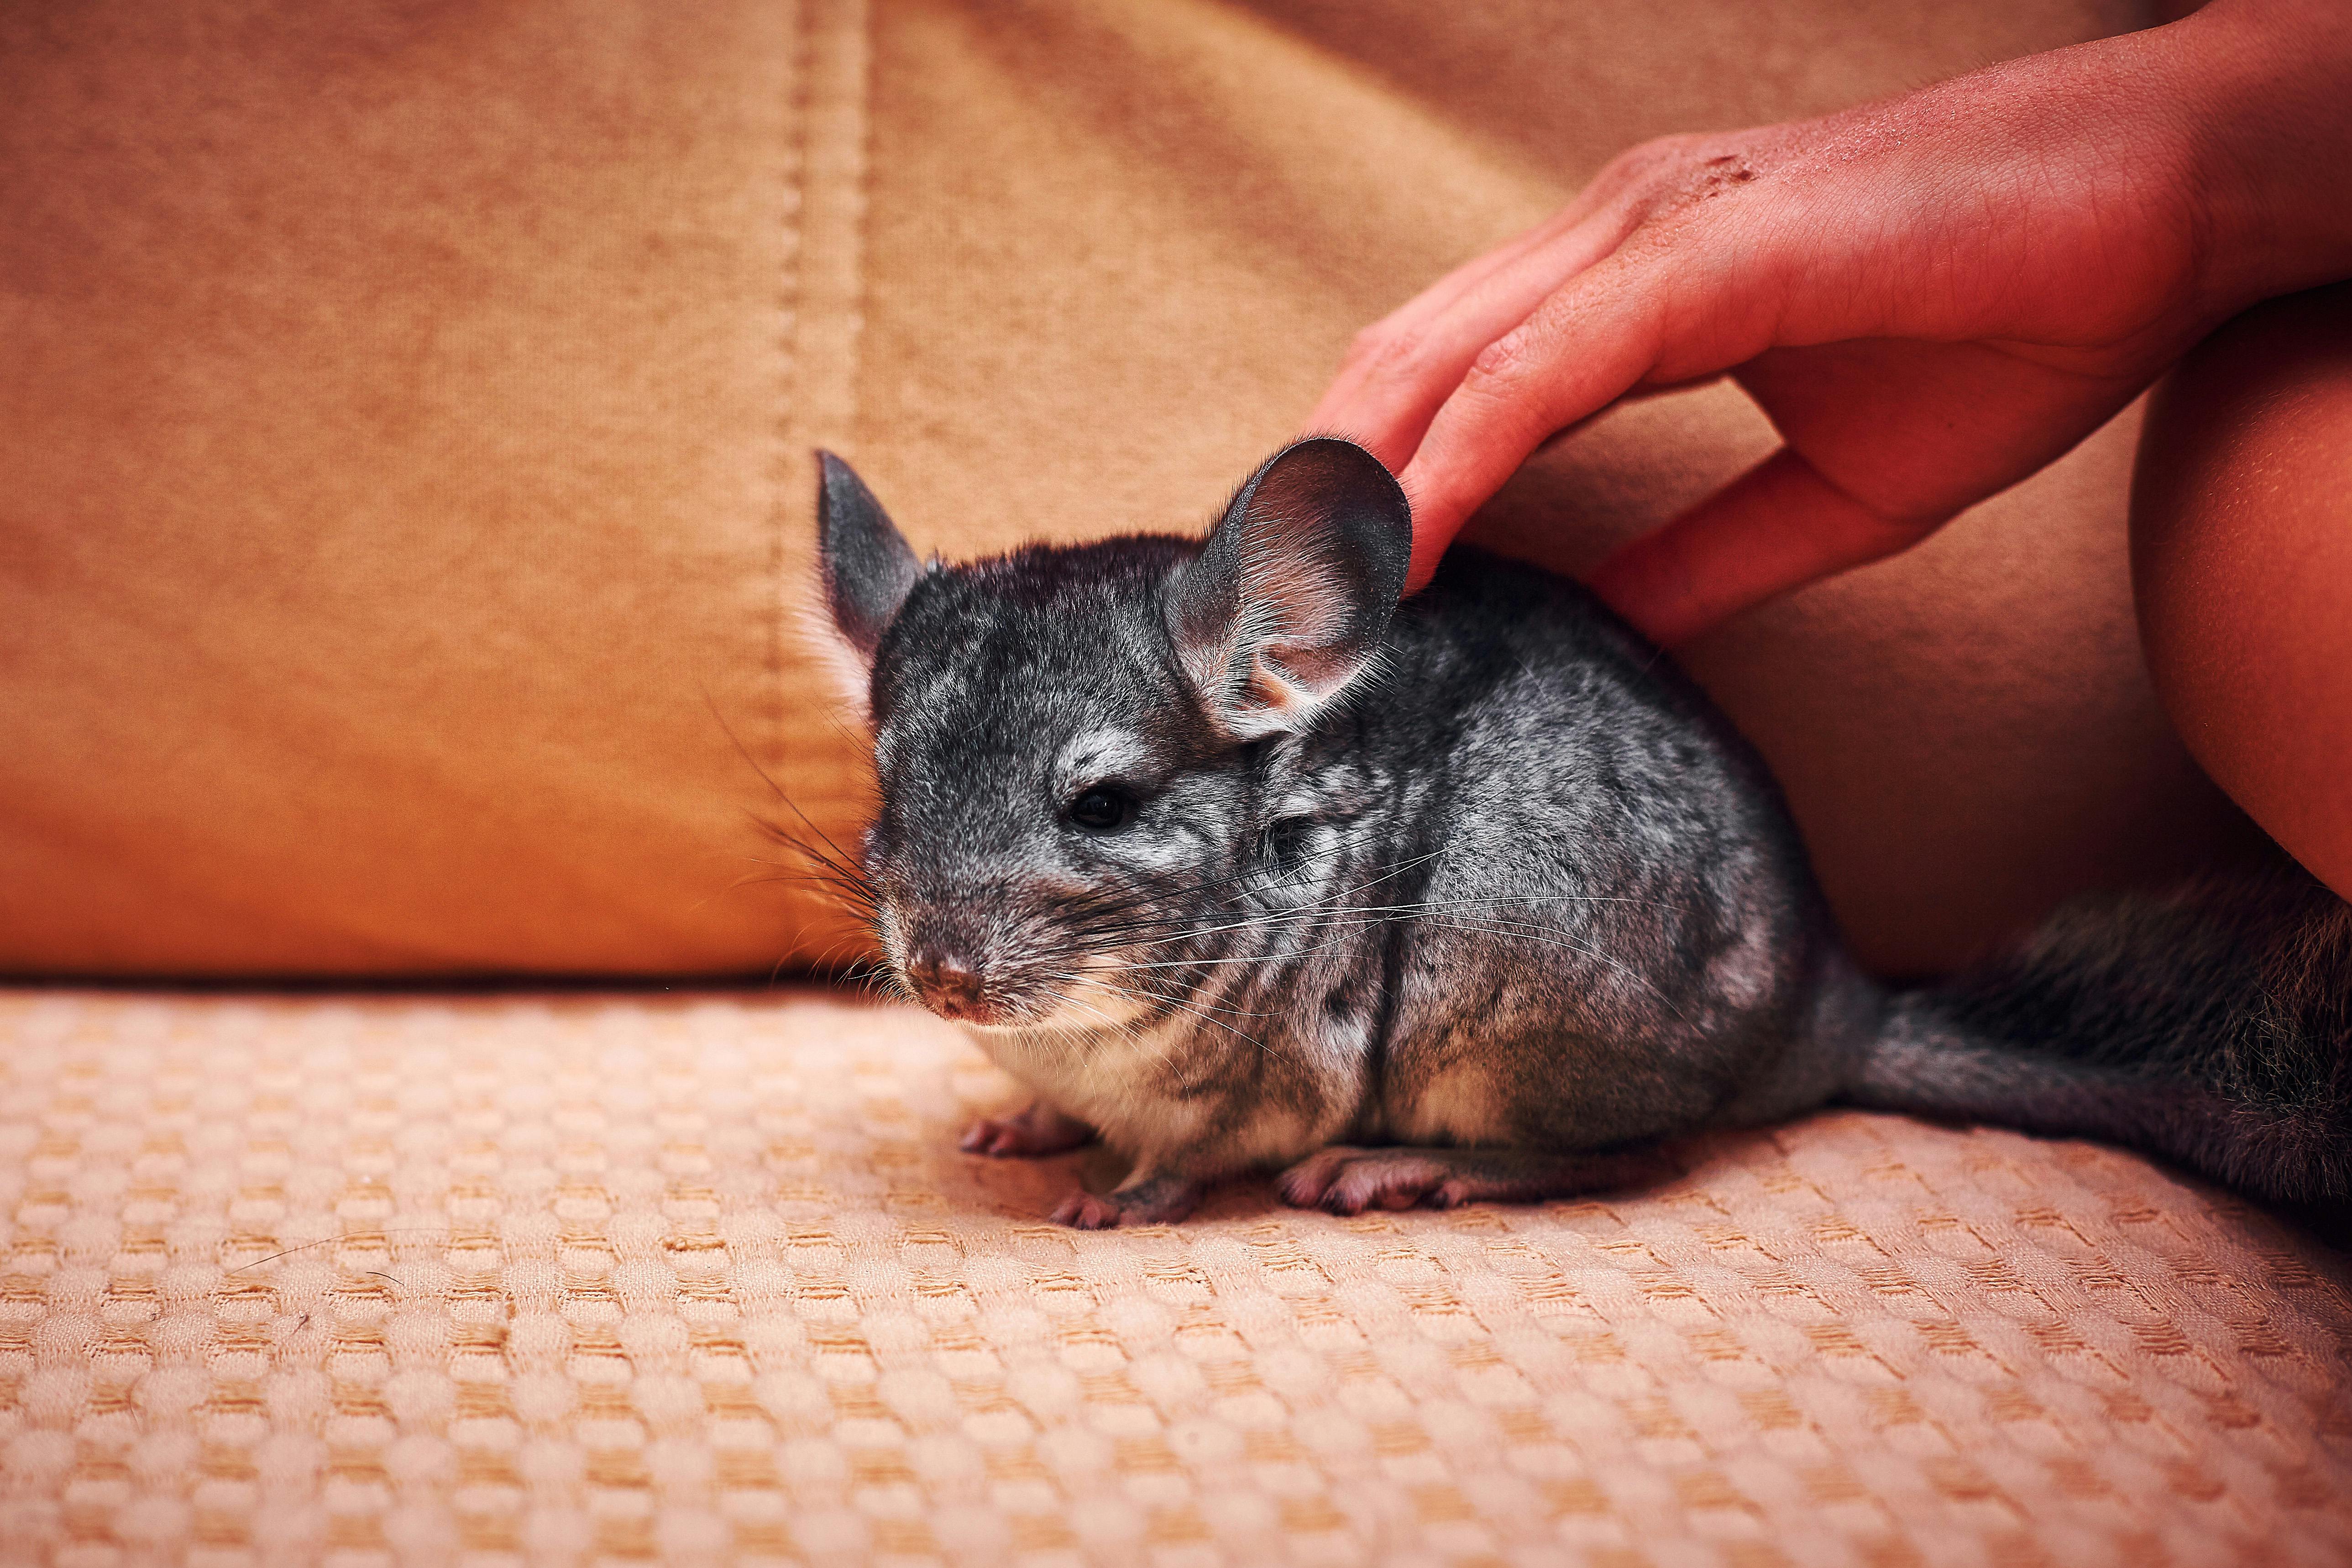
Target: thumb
<point>1776,528</point>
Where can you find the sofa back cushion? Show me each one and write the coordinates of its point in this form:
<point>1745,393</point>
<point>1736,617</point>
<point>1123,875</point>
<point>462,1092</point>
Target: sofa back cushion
<point>406,415</point>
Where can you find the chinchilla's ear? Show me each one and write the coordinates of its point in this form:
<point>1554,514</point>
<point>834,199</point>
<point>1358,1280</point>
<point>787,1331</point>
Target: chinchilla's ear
<point>866,564</point>
<point>1289,597</point>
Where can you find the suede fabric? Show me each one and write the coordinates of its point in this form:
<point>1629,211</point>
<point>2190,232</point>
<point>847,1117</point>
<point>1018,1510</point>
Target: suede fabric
<point>406,415</point>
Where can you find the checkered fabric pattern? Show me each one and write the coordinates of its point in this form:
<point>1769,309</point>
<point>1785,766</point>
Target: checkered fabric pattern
<point>585,1277</point>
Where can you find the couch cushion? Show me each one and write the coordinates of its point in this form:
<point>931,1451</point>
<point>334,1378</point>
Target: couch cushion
<point>579,1276</point>
<point>405,413</point>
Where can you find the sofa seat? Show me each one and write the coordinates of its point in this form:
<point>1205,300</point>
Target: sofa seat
<point>572,1276</point>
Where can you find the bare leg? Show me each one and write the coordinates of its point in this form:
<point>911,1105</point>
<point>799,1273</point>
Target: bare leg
<point>1146,1198</point>
<point>2241,565</point>
<point>1040,1130</point>
<point>1350,1180</point>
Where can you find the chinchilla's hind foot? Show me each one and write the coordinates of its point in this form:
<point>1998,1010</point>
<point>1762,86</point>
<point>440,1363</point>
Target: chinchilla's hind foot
<point>1346,1180</point>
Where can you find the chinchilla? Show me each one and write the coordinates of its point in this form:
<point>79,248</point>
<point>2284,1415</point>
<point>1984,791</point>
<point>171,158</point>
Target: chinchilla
<point>1239,864</point>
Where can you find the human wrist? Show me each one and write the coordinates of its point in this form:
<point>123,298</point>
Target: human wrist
<point>2269,86</point>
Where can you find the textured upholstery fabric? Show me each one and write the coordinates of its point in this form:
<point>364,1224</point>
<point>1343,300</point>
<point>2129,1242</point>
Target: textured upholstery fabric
<point>578,1278</point>
<point>404,412</point>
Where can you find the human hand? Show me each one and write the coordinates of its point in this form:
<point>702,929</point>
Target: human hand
<point>1932,297</point>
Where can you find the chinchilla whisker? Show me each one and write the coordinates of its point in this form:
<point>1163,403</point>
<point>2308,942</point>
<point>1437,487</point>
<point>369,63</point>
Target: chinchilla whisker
<point>829,862</point>
<point>1431,906</point>
<point>859,902</point>
<point>1256,921</point>
<point>1068,1034</point>
<point>838,859</point>
<point>816,866</point>
<point>864,972</point>
<point>1158,1002</point>
<point>1075,978</point>
<point>1271,921</point>
<point>1231,1011</point>
<point>1253,959</point>
<point>1542,935</point>
<point>1248,921</point>
<point>852,900</point>
<point>1184,932</point>
<point>1196,1001</point>
<point>1196,933</point>
<point>1186,1007</point>
<point>1178,926</point>
<point>1380,913</point>
<point>1397,869</point>
<point>1543,899</point>
<point>1153,898</point>
<point>1063,998</point>
<point>1341,930</point>
<point>1064,980</point>
<point>826,852</point>
<point>1191,1008</point>
<point>1346,925</point>
<point>1110,1023</point>
<point>1125,924</point>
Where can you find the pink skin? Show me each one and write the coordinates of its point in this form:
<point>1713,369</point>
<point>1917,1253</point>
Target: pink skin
<point>1340,1179</point>
<point>1032,1134</point>
<point>1933,296</point>
<point>2242,567</point>
<point>1345,1179</point>
<point>1159,1199</point>
<point>1039,1131</point>
<point>1083,1210</point>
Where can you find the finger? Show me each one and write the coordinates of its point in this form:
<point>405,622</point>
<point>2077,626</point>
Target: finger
<point>1346,408</point>
<point>1432,302</point>
<point>1915,430</point>
<point>1776,528</point>
<point>1408,320</point>
<point>1584,348</point>
<point>1388,399</point>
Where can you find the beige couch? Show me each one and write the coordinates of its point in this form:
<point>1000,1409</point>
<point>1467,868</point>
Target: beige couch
<point>405,420</point>
<point>574,1278</point>
<point>406,415</point>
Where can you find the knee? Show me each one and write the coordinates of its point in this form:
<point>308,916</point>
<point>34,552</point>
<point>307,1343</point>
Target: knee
<point>2242,566</point>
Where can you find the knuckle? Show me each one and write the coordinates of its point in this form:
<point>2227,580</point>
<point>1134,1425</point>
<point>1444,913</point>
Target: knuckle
<point>1673,175</point>
<point>1365,346</point>
<point>1649,161</point>
<point>1678,148</point>
<point>1388,353</point>
<point>1502,366</point>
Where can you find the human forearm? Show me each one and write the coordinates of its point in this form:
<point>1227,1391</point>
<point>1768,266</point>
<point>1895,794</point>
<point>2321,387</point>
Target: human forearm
<point>2269,84</point>
<point>1931,297</point>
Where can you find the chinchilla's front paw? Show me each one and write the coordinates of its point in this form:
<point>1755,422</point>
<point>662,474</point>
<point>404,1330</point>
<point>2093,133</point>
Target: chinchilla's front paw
<point>1038,1131</point>
<point>1083,1210</point>
<point>1150,1200</point>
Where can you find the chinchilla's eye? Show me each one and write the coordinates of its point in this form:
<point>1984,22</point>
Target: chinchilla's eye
<point>1285,838</point>
<point>1103,809</point>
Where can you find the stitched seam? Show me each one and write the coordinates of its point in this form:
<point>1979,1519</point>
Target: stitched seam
<point>826,328</point>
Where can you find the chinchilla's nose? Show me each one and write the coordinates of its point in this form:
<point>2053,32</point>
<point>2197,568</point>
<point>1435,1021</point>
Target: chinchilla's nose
<point>949,983</point>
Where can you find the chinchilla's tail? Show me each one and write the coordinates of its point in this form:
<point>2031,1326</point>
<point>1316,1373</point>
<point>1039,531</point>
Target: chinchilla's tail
<point>2213,1026</point>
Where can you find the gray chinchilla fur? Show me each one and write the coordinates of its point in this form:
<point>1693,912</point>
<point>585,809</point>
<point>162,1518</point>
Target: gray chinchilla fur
<point>1240,865</point>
